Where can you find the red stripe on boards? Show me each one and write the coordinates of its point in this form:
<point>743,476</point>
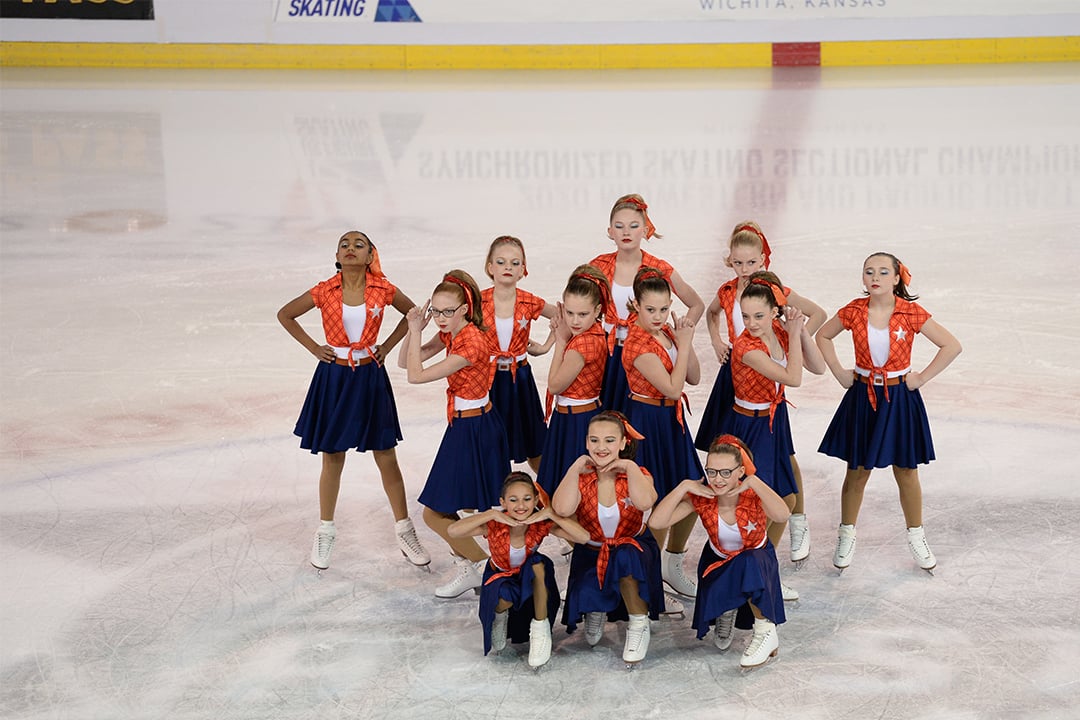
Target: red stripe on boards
<point>796,54</point>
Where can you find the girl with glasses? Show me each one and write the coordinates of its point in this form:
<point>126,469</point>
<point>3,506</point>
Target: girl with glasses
<point>738,577</point>
<point>473,457</point>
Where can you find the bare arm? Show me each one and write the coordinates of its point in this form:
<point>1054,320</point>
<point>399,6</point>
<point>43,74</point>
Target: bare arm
<point>815,314</point>
<point>567,528</point>
<point>774,506</point>
<point>762,363</point>
<point>287,317</point>
<point>948,350</point>
<point>402,304</point>
<point>642,488</point>
<point>712,321</point>
<point>561,374</point>
<point>695,306</point>
<point>824,341</point>
<point>674,506</point>
<point>567,497</point>
<point>476,524</point>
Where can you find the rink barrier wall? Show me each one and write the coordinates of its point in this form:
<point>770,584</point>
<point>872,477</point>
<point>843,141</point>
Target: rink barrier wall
<point>539,57</point>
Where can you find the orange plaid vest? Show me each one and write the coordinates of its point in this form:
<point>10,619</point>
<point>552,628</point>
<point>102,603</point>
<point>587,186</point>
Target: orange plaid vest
<point>631,520</point>
<point>378,295</point>
<point>473,381</point>
<point>527,307</point>
<point>606,264</point>
<point>498,537</point>
<point>640,342</point>
<point>749,516</point>
<point>906,320</point>
<point>750,385</point>
<point>593,346</point>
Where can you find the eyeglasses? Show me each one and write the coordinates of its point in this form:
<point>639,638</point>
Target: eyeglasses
<point>448,313</point>
<point>711,473</point>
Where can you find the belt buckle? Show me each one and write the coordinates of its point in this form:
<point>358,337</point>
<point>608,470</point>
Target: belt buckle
<point>877,378</point>
<point>503,364</point>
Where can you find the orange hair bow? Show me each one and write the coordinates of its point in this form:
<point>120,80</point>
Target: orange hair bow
<point>747,463</point>
<point>465,288</point>
<point>905,274</point>
<point>630,432</point>
<point>650,229</point>
<point>777,293</point>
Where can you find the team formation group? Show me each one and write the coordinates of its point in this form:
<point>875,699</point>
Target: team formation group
<point>616,475</point>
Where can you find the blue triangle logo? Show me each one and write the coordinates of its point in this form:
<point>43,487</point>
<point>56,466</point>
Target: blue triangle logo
<point>395,11</point>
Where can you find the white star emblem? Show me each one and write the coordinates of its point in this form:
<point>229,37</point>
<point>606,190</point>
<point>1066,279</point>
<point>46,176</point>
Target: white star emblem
<point>375,311</point>
<point>749,527</point>
<point>900,334</point>
<point>523,322</point>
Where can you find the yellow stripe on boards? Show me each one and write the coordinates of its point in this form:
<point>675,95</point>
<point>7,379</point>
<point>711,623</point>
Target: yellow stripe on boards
<point>951,52</point>
<point>526,57</point>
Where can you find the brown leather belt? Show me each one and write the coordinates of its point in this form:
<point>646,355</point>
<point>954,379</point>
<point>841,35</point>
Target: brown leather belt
<point>577,409</point>
<point>750,413</point>
<point>659,402</point>
<point>472,412</point>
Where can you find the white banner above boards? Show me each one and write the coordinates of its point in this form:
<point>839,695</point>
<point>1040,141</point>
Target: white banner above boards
<point>599,11</point>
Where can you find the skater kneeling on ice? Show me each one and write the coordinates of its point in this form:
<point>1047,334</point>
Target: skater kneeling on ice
<point>737,573</point>
<point>517,572</point>
<point>617,571</point>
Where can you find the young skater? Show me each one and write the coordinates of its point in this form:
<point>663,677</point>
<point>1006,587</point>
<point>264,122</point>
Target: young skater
<point>769,354</point>
<point>473,457</point>
<point>518,572</point>
<point>508,315</point>
<point>617,571</point>
<point>660,361</point>
<point>882,420</point>
<point>738,562</point>
<point>575,373</point>
<point>749,252</point>
<point>350,403</point>
<point>628,225</point>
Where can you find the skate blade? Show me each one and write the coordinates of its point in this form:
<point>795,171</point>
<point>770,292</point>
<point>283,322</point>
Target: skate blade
<point>768,661</point>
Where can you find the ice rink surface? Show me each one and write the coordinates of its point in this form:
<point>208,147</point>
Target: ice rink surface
<point>156,512</point>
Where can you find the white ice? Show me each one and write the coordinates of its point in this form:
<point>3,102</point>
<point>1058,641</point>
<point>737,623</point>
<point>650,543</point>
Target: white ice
<point>156,512</point>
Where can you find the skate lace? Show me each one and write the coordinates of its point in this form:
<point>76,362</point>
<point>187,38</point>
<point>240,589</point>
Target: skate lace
<point>920,547</point>
<point>411,541</point>
<point>593,623</point>
<point>324,541</point>
<point>756,642</point>
<point>724,624</point>
<point>847,542</point>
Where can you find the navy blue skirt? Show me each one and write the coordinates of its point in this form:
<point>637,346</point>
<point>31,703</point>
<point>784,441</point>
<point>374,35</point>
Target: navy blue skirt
<point>519,407</point>
<point>348,409</point>
<point>470,467</point>
<point>518,589</point>
<point>667,451</point>
<point>615,390</point>
<point>897,433</point>
<point>585,594</point>
<point>717,408</point>
<point>751,576</point>
<point>563,444</point>
<point>772,450</point>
